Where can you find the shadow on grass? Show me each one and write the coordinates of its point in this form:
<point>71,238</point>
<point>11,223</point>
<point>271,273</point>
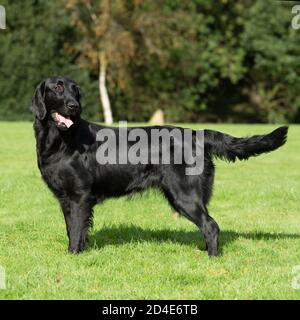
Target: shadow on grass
<point>119,235</point>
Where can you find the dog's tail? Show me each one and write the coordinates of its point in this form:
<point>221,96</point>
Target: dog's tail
<point>230,148</point>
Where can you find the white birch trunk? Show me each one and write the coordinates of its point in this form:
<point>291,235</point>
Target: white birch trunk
<point>108,119</point>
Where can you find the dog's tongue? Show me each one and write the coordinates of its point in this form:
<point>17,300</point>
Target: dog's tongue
<point>61,119</point>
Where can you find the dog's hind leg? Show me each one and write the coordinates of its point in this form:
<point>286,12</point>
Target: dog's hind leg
<point>198,214</point>
<point>211,231</point>
<point>207,225</point>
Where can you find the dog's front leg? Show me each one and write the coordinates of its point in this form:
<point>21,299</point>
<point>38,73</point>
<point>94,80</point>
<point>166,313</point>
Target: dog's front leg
<point>79,222</point>
<point>78,218</point>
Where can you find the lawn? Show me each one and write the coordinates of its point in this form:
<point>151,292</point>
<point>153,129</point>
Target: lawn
<point>139,249</point>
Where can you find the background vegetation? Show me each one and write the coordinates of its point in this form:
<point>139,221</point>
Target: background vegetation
<point>197,60</point>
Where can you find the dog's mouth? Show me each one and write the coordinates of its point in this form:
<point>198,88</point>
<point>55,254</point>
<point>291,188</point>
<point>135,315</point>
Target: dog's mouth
<point>62,122</point>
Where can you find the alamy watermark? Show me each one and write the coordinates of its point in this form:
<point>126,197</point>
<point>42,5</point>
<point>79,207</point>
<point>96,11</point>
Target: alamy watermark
<point>2,278</point>
<point>2,18</point>
<point>296,19</point>
<point>152,145</point>
<point>296,277</point>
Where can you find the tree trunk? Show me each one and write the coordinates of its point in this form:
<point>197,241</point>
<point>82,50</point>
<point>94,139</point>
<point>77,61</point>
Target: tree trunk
<point>108,119</point>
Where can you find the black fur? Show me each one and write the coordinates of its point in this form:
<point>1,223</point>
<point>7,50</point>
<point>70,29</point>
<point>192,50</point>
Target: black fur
<point>67,161</point>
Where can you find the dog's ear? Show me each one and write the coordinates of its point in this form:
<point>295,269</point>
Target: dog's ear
<point>38,104</point>
<point>78,92</point>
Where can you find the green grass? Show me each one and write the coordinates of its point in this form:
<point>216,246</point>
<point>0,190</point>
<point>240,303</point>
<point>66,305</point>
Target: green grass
<point>139,250</point>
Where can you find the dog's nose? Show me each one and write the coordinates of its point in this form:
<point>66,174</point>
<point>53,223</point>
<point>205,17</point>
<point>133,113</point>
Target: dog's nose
<point>73,106</point>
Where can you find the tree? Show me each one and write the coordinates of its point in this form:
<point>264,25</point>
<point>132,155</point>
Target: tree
<point>32,49</point>
<point>272,81</point>
<point>105,40</point>
<point>28,54</point>
<point>196,60</point>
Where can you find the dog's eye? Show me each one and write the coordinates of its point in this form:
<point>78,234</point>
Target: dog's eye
<point>59,88</point>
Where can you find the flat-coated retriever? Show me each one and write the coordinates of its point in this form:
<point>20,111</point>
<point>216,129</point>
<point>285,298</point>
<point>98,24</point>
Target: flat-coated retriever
<point>67,158</point>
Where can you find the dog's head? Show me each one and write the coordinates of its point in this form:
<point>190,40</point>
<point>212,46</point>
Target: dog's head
<point>57,99</point>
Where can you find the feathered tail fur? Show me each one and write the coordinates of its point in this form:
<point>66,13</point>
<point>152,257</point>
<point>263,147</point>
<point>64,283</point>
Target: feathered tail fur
<point>230,148</point>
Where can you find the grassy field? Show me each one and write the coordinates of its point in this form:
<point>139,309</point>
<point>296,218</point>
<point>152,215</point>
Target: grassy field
<point>138,248</point>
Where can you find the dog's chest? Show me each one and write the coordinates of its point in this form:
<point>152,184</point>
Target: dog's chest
<point>66,175</point>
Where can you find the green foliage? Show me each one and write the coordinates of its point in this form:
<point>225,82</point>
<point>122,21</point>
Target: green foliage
<point>197,60</point>
<point>274,68</point>
<point>32,48</point>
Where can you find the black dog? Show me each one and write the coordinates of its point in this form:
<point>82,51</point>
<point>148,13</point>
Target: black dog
<point>66,154</point>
